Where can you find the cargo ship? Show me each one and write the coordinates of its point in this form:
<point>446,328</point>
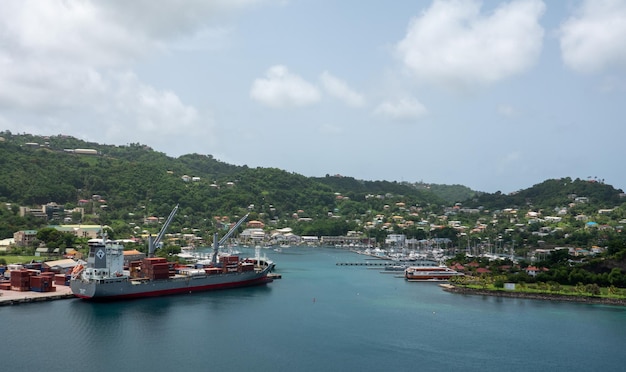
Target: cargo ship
<point>104,277</point>
<point>430,273</point>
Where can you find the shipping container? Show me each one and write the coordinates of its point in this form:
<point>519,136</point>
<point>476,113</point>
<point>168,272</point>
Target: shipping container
<point>213,270</point>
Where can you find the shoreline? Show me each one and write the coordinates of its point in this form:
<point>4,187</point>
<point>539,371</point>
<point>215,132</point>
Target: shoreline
<point>533,296</point>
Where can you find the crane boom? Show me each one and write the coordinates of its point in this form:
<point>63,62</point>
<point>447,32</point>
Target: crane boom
<point>232,230</point>
<point>216,243</point>
<point>153,243</point>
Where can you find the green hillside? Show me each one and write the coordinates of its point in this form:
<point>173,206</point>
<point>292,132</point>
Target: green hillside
<point>134,180</point>
<point>120,186</point>
<point>124,184</point>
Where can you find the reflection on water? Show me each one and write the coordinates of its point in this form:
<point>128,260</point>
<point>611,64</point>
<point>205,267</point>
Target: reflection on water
<point>320,316</point>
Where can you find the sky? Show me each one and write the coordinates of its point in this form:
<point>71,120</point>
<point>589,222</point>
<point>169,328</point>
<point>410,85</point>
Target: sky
<point>493,95</point>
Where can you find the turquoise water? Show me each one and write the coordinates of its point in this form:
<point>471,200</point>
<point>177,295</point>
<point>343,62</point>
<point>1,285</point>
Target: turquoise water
<point>320,316</point>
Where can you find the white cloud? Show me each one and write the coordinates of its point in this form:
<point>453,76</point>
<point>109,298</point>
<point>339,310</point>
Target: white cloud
<point>76,32</point>
<point>595,38</point>
<point>402,109</point>
<point>171,18</point>
<point>64,68</point>
<point>281,88</point>
<point>59,54</point>
<point>507,110</point>
<point>452,43</point>
<point>339,89</point>
<point>156,112</point>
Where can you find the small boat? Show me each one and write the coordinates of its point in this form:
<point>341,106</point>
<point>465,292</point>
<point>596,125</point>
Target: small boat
<point>395,268</point>
<point>430,273</point>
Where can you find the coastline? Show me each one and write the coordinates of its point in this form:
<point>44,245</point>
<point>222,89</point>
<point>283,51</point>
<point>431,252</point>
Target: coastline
<point>533,296</point>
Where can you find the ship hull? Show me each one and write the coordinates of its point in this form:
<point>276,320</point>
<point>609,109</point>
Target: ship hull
<point>430,274</point>
<point>428,279</point>
<point>127,288</point>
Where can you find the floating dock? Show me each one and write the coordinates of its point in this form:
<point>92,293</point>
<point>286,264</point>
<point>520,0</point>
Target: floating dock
<point>386,263</point>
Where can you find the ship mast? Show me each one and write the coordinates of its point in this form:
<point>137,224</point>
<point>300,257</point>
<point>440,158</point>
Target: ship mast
<point>216,243</point>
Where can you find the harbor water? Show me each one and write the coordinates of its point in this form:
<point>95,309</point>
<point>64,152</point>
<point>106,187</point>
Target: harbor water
<point>319,317</point>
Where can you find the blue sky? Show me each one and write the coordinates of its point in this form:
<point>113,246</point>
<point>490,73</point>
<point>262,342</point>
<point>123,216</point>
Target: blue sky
<point>494,95</point>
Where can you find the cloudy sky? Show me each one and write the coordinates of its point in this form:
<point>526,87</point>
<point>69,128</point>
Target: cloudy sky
<point>494,95</point>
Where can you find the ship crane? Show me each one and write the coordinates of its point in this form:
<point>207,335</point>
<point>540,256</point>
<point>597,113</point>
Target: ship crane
<point>216,243</point>
<point>153,243</point>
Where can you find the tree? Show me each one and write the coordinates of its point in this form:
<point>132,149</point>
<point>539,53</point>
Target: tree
<point>594,289</point>
<point>54,238</point>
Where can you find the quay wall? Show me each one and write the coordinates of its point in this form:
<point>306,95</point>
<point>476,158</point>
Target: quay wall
<point>18,297</point>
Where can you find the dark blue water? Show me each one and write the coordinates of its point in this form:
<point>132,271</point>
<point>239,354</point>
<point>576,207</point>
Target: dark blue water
<point>319,317</point>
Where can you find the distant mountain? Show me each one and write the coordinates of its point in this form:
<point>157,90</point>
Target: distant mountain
<point>449,193</point>
<point>553,193</point>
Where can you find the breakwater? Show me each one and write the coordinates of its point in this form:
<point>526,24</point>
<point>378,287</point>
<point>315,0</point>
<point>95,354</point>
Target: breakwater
<point>534,296</point>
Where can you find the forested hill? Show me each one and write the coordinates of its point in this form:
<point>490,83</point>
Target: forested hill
<point>37,170</point>
<point>360,189</point>
<point>554,193</point>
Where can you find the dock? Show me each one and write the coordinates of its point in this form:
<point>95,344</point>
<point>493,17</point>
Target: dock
<point>377,263</point>
<point>17,297</point>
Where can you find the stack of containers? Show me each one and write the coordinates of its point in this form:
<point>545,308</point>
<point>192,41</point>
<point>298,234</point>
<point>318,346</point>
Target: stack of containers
<point>247,266</point>
<point>42,283</point>
<point>20,280</point>
<point>5,285</point>
<point>212,270</point>
<point>155,268</point>
<point>62,279</point>
<point>134,267</point>
<point>229,263</point>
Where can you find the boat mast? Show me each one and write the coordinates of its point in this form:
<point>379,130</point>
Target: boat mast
<point>153,243</point>
<point>216,243</point>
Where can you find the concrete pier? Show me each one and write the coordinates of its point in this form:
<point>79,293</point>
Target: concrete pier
<point>17,297</point>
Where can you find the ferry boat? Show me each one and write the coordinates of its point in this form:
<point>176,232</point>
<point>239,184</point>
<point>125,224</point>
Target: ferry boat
<point>429,273</point>
<point>104,277</point>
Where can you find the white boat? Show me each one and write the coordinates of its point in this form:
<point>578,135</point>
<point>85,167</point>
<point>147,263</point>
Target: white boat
<point>430,273</point>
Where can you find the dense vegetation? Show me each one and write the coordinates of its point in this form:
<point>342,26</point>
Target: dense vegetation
<point>134,182</point>
<point>122,185</point>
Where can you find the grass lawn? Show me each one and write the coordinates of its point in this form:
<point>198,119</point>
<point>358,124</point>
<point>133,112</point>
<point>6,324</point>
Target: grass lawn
<point>565,290</point>
<point>10,259</point>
